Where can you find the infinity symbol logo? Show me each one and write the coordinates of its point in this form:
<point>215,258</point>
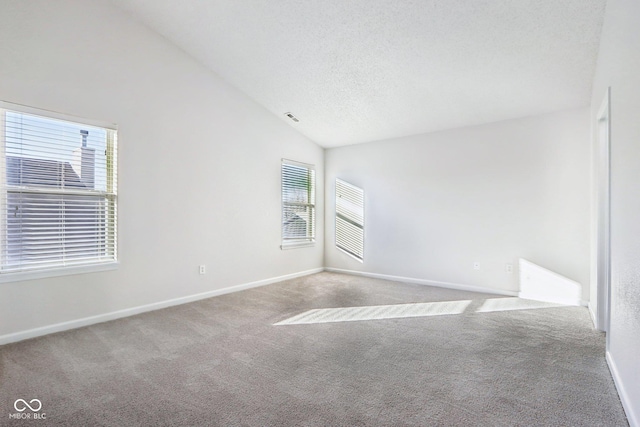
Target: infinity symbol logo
<point>26,405</point>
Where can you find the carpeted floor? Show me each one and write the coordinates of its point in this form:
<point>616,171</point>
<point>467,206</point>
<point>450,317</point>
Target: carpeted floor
<point>223,362</point>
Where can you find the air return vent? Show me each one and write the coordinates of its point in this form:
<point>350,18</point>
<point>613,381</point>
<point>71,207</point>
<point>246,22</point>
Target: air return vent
<point>292,117</point>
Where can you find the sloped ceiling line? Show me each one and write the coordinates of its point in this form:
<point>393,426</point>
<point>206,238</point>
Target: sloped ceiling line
<point>363,70</point>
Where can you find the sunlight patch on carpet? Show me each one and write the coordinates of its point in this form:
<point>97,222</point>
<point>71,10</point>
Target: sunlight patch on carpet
<point>400,311</point>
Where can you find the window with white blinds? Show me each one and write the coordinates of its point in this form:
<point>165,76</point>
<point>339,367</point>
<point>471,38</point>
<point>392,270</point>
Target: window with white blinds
<point>298,204</point>
<point>58,192</point>
<point>350,219</point>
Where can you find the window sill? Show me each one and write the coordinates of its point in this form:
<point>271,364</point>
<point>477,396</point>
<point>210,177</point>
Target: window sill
<point>296,245</point>
<point>56,272</point>
<point>360,260</point>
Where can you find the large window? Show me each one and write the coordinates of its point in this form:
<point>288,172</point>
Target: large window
<point>350,219</point>
<point>298,204</point>
<point>57,192</point>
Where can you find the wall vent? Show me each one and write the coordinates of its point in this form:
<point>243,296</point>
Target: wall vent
<point>292,117</point>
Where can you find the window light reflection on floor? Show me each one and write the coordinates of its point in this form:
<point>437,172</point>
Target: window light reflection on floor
<point>399,311</point>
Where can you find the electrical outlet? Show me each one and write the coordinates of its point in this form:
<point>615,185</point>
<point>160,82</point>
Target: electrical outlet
<point>508,268</point>
<point>203,269</point>
<point>476,265</point>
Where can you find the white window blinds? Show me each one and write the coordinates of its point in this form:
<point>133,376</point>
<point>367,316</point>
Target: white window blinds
<point>58,193</point>
<point>298,203</point>
<point>350,219</point>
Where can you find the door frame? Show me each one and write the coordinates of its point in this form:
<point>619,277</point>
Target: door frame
<point>603,212</point>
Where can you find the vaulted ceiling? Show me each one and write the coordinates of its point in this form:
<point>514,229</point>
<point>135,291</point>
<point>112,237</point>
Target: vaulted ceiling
<point>355,71</point>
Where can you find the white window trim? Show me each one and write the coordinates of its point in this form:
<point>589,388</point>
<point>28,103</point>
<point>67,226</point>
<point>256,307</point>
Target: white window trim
<point>58,271</point>
<point>296,245</point>
<point>336,216</point>
<point>49,272</point>
<point>302,243</point>
<point>349,254</point>
<point>55,115</point>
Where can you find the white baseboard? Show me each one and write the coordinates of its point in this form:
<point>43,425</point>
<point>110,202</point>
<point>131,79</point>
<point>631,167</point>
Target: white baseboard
<point>86,321</point>
<point>447,285</point>
<point>593,315</point>
<point>632,416</point>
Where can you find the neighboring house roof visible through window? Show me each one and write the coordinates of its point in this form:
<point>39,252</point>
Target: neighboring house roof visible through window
<point>43,173</point>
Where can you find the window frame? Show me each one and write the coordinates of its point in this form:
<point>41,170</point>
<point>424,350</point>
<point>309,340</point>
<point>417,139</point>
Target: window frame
<point>354,190</point>
<point>310,239</point>
<point>112,190</point>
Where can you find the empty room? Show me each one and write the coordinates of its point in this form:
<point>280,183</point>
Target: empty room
<point>338,213</point>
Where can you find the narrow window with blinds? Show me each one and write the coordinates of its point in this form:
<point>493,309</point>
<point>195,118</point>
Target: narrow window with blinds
<point>58,192</point>
<point>298,204</point>
<point>350,219</point>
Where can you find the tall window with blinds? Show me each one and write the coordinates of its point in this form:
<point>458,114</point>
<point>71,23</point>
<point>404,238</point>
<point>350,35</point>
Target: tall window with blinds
<point>58,192</point>
<point>350,219</point>
<point>298,204</point>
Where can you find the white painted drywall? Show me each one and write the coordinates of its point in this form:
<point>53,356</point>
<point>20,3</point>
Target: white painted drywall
<point>199,162</point>
<point>436,203</point>
<point>619,68</point>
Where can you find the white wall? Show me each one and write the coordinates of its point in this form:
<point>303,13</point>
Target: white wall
<point>199,163</point>
<point>619,67</point>
<point>436,203</point>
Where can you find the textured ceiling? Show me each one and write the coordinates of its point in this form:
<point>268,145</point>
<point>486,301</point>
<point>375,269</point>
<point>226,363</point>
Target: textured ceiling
<point>356,71</point>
